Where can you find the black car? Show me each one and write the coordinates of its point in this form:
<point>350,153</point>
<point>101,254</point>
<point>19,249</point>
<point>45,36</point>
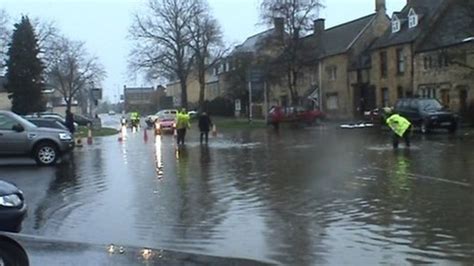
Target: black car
<point>12,207</point>
<point>427,114</point>
<point>46,122</point>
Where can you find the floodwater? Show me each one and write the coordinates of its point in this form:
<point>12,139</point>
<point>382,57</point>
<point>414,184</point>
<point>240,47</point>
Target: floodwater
<point>312,196</point>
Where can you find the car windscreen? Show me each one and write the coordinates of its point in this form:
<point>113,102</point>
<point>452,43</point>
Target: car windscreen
<point>430,105</point>
<point>23,120</point>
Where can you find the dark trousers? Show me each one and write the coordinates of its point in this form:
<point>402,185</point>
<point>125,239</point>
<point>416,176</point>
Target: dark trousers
<point>406,137</point>
<point>204,136</point>
<point>181,132</point>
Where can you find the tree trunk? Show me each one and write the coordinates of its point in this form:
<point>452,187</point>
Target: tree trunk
<point>184,93</point>
<point>68,103</point>
<point>202,87</point>
<point>294,94</point>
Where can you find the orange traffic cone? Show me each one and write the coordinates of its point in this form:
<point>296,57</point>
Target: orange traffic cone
<point>89,137</point>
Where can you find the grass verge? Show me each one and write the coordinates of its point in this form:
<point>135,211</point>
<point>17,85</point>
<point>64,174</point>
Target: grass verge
<point>81,132</point>
<point>237,123</point>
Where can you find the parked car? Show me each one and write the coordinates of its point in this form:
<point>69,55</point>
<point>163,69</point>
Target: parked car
<point>151,119</point>
<point>19,137</point>
<point>427,114</point>
<point>111,112</point>
<point>82,120</point>
<point>54,116</point>
<point>46,122</point>
<point>12,207</point>
<point>295,114</point>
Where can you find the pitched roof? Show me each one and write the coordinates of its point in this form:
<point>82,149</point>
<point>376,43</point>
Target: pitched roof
<point>251,44</point>
<point>426,11</point>
<point>453,27</point>
<point>335,40</point>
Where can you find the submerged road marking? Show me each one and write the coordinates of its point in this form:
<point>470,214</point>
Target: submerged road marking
<point>416,176</point>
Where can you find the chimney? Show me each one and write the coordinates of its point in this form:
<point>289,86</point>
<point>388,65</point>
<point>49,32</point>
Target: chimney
<point>319,26</point>
<point>279,24</point>
<point>380,6</point>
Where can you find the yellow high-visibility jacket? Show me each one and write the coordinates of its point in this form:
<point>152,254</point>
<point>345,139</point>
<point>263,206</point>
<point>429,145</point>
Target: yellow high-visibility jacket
<point>398,124</point>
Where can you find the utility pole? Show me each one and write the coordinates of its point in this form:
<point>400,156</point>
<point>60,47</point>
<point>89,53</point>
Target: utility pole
<point>265,101</point>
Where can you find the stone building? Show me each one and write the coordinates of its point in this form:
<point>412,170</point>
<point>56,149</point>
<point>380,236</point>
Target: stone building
<point>336,65</point>
<point>444,61</point>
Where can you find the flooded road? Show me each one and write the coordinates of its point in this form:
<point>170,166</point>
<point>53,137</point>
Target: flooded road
<point>301,197</point>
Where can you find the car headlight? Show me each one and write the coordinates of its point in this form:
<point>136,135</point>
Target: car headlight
<point>65,136</point>
<point>10,201</point>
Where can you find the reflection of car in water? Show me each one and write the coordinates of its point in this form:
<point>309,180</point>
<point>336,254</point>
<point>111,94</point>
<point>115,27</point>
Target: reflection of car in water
<point>12,207</point>
<point>295,114</point>
<point>427,114</point>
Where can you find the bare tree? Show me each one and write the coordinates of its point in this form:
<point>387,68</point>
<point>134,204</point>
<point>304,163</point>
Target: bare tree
<point>73,70</point>
<point>162,41</point>
<point>5,37</point>
<point>207,45</point>
<point>298,17</point>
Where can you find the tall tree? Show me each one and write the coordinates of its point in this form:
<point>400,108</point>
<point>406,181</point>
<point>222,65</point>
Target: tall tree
<point>298,17</point>
<point>73,71</point>
<point>162,41</point>
<point>207,44</point>
<point>25,70</point>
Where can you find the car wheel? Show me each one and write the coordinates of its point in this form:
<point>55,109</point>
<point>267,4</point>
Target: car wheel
<point>424,127</point>
<point>12,253</point>
<point>46,154</point>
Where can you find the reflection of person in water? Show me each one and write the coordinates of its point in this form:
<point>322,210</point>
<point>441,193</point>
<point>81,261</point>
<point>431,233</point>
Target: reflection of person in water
<point>182,164</point>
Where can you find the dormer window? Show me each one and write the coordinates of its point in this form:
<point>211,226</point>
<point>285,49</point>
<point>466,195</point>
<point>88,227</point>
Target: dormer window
<point>412,19</point>
<point>395,24</point>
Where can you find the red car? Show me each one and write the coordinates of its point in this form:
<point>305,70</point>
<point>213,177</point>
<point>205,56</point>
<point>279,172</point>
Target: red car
<point>298,114</point>
<point>165,124</point>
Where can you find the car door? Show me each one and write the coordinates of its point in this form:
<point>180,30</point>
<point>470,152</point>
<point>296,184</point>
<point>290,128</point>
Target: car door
<point>11,142</point>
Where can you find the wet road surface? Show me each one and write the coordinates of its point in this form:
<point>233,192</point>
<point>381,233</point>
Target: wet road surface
<point>320,195</point>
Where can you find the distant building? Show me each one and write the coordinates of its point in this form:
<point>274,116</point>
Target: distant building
<point>146,100</point>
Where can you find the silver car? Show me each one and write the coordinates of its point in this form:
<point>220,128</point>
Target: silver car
<point>19,137</point>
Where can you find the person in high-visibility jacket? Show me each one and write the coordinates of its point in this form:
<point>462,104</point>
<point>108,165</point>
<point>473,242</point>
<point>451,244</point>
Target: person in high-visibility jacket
<point>400,127</point>
<point>182,123</point>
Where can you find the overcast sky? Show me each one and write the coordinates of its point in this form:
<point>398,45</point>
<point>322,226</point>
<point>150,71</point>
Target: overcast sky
<point>104,24</point>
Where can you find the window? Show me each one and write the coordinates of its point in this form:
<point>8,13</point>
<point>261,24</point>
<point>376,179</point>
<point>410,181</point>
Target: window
<point>6,123</point>
<point>216,71</point>
<point>383,64</point>
<point>385,97</point>
<point>412,19</point>
<point>400,61</point>
<point>445,99</point>
<point>427,62</point>
<point>400,92</point>
<point>428,93</point>
<point>395,24</point>
<point>332,72</point>
<point>332,101</point>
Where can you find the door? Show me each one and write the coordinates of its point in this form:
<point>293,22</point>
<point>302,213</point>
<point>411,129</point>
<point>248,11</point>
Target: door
<point>11,142</point>
<point>463,101</point>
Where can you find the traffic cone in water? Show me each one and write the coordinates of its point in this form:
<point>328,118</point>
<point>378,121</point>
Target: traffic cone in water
<point>120,137</point>
<point>214,130</point>
<point>89,137</point>
<point>145,135</point>
<point>78,142</point>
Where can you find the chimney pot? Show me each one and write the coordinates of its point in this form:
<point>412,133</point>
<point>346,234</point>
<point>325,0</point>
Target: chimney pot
<point>319,26</point>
